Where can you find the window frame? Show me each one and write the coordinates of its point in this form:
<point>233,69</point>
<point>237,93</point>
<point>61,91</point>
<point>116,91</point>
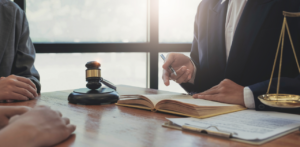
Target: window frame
<point>152,47</point>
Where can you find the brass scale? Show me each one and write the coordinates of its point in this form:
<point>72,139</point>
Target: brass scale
<point>277,99</point>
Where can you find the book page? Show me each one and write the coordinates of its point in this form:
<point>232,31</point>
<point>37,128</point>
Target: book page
<point>201,102</point>
<point>247,124</point>
<point>156,98</point>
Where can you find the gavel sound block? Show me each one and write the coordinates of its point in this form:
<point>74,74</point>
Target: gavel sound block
<point>94,94</point>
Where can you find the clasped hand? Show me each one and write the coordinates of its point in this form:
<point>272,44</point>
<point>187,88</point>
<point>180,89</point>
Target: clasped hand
<point>38,126</point>
<point>6,112</point>
<point>17,88</point>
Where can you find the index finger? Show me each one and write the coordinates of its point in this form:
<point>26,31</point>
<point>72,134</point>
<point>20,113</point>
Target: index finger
<point>209,97</point>
<point>211,91</point>
<point>14,110</point>
<point>166,77</point>
<point>12,119</point>
<point>27,81</point>
<point>71,128</point>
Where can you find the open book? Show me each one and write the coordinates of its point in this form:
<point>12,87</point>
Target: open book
<point>184,105</point>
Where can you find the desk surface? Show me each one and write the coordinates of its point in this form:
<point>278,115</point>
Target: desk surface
<point>111,125</point>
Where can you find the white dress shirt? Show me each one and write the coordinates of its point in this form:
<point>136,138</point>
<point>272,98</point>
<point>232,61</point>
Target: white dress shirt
<point>234,12</point>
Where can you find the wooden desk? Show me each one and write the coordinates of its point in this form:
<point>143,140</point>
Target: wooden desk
<point>111,125</point>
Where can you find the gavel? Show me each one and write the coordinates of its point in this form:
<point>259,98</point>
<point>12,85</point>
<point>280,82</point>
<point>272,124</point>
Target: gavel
<point>93,76</point>
<point>94,94</point>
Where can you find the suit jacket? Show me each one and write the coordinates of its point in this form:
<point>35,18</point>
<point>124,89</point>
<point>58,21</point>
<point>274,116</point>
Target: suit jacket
<point>253,49</point>
<point>17,53</point>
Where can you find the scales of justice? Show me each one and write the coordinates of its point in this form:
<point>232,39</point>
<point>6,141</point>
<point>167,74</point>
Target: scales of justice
<point>277,99</point>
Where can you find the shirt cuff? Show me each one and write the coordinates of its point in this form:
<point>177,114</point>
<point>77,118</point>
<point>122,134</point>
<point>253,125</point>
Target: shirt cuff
<point>194,73</point>
<point>249,98</point>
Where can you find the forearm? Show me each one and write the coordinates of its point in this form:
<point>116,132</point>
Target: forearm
<point>287,85</point>
<point>24,56</point>
<point>16,135</point>
<point>189,86</point>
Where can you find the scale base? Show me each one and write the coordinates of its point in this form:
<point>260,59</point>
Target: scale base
<point>280,100</point>
<point>99,96</point>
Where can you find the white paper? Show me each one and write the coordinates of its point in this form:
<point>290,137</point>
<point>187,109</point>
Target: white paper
<point>247,124</point>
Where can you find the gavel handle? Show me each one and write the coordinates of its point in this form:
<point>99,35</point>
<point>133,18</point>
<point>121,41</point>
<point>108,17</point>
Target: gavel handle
<point>108,84</point>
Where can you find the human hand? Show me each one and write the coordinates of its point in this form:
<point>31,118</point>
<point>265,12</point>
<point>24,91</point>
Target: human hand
<point>226,92</point>
<point>181,64</point>
<point>6,112</point>
<point>42,126</point>
<point>17,88</point>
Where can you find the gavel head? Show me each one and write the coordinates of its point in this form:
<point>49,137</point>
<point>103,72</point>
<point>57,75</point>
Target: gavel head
<point>93,75</point>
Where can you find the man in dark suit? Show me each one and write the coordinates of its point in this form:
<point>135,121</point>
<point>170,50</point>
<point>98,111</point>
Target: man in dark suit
<point>233,52</point>
<point>19,78</point>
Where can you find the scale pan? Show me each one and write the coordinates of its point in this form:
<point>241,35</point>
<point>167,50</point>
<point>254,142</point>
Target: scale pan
<point>280,100</point>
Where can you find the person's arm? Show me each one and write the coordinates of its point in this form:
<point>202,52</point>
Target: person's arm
<point>19,135</point>
<point>287,85</point>
<point>191,87</point>
<point>16,88</point>
<point>226,91</point>
<point>230,92</point>
<point>6,112</point>
<point>25,52</point>
<point>40,126</point>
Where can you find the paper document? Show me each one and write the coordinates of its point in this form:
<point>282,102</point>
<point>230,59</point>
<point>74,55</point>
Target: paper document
<point>246,124</point>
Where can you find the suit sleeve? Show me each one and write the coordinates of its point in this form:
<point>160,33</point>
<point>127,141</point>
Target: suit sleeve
<point>25,52</point>
<point>188,87</point>
<point>287,85</point>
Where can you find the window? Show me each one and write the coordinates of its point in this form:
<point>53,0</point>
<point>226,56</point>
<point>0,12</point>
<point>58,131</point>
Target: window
<point>176,20</point>
<point>118,21</point>
<point>67,70</point>
<point>69,30</point>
